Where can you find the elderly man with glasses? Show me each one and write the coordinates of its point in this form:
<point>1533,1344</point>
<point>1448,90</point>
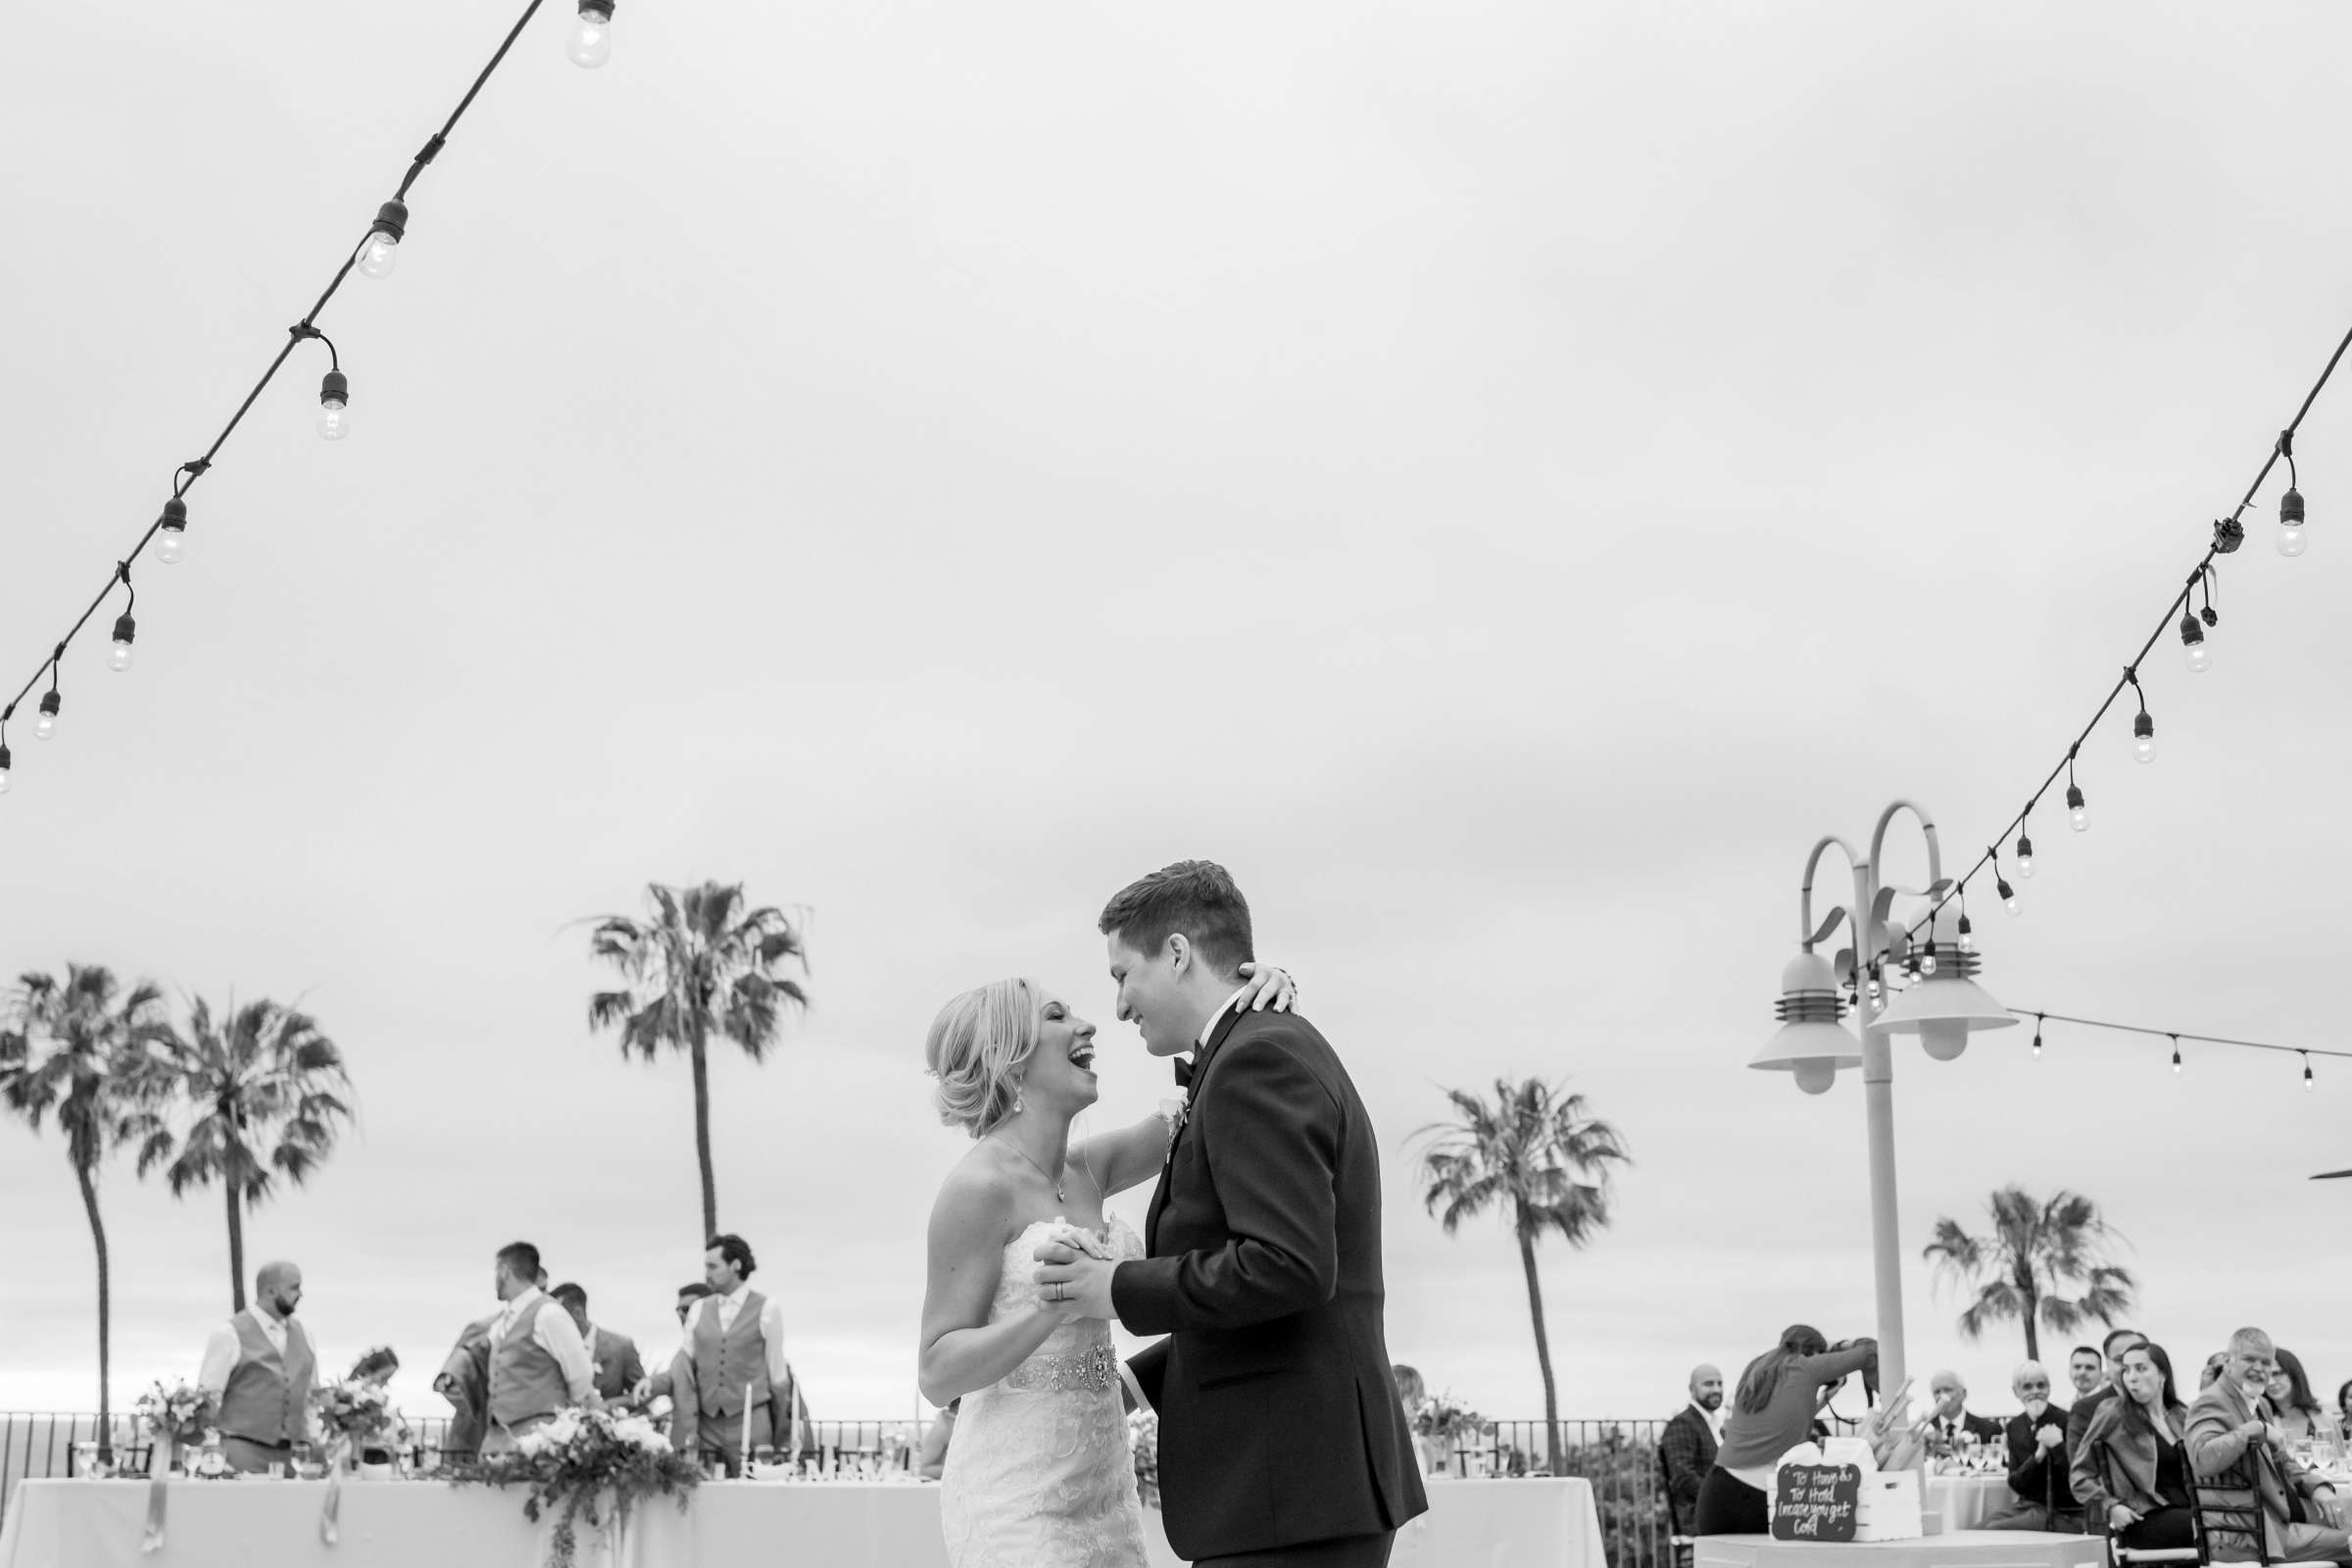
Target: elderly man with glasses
<point>2227,1432</point>
<point>2044,1499</point>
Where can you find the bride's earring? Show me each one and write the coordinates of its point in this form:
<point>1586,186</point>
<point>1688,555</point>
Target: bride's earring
<point>1017,1105</point>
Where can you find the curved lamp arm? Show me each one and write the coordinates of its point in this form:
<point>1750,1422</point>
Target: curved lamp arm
<point>1877,844</point>
<point>1805,932</point>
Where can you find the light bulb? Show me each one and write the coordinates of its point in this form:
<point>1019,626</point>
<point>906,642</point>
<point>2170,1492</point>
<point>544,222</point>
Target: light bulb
<point>1943,1039</point>
<point>592,40</point>
<point>2025,855</point>
<point>334,406</point>
<point>2200,656</point>
<point>4,761</point>
<point>2291,518</point>
<point>377,256</point>
<point>2176,1058</point>
<point>1815,1074</point>
<point>46,726</point>
<point>172,532</point>
<point>1927,963</point>
<point>2143,738</point>
<point>2078,809</point>
<point>1967,938</point>
<point>2291,542</point>
<point>2306,1081</point>
<point>2009,898</point>
<point>2037,1045</point>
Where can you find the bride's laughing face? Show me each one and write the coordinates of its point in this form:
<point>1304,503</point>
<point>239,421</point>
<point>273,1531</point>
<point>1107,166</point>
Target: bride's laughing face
<point>1061,1070</point>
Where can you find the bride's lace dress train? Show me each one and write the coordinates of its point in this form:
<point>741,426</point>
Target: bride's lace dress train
<point>1039,1473</point>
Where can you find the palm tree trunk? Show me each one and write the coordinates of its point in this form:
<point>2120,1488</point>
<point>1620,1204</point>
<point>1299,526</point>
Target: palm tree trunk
<point>87,1177</point>
<point>2032,1335</point>
<point>1551,1396</point>
<point>236,1246</point>
<point>701,1139</point>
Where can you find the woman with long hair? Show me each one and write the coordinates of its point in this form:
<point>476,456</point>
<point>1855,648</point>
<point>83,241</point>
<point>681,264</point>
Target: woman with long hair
<point>2293,1405</point>
<point>2138,1479</point>
<point>1772,1412</point>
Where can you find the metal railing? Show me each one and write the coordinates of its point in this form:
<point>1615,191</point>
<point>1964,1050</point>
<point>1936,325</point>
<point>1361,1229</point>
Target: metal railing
<point>1620,1458</point>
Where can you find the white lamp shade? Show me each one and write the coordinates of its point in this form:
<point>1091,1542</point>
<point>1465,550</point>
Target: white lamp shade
<point>1811,1044</point>
<point>1944,1011</point>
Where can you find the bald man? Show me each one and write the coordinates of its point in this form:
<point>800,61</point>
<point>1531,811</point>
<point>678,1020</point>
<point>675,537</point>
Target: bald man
<point>1686,1449</point>
<point>2039,1465</point>
<point>261,1367</point>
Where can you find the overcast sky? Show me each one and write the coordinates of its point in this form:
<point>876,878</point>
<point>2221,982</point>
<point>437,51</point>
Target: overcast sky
<point>1502,478</point>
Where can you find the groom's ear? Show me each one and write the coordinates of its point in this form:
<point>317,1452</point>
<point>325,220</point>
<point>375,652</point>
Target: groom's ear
<point>1180,951</point>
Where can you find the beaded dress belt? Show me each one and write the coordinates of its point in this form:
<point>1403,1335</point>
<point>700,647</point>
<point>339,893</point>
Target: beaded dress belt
<point>1098,1368</point>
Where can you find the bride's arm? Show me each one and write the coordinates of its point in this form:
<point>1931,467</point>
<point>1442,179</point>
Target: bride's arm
<point>1128,1158</point>
<point>961,1350</point>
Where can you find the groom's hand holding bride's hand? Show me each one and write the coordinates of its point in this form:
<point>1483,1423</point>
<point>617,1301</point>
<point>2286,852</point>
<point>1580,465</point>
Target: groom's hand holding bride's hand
<point>1077,1284</point>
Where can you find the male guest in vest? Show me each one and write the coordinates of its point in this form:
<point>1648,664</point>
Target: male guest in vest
<point>1281,1437</point>
<point>731,1374</point>
<point>1686,1449</point>
<point>614,1355</point>
<point>537,1364</point>
<point>261,1366</point>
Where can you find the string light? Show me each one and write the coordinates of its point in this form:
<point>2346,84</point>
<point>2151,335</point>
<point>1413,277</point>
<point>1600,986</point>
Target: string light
<point>2176,1036</point>
<point>2143,728</point>
<point>2000,884</point>
<point>382,246</point>
<point>2037,1037</point>
<point>592,40</point>
<point>2307,1081</point>
<point>2176,1054</point>
<point>2292,540</point>
<point>127,630</point>
<point>373,257</point>
<point>2229,535</point>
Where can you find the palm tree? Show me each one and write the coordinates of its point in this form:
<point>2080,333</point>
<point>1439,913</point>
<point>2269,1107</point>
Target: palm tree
<point>2035,1252</point>
<point>1534,1154</point>
<point>262,1091</point>
<point>703,965</point>
<point>73,1049</point>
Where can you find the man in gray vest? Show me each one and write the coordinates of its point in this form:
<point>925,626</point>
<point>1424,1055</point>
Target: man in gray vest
<point>730,1381</point>
<point>261,1367</point>
<point>537,1364</point>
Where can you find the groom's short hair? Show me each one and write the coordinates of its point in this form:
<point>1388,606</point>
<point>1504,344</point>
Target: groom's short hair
<point>1195,897</point>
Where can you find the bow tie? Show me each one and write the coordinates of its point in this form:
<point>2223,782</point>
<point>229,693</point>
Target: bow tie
<point>1184,1073</point>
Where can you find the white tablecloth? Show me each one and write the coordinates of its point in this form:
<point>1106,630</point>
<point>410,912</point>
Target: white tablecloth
<point>1965,1502</point>
<point>1535,1523</point>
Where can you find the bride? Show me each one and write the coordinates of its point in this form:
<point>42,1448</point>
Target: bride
<point>1039,1473</point>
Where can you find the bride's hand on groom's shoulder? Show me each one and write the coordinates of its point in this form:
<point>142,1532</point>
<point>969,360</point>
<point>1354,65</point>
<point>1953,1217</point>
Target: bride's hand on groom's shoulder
<point>1268,986</point>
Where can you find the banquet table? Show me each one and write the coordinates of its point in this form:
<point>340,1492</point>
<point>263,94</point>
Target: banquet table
<point>1964,1503</point>
<point>1531,1523</point>
<point>1960,1548</point>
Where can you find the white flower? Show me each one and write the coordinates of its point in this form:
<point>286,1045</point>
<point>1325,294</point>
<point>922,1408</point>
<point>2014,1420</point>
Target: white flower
<point>638,1433</point>
<point>562,1429</point>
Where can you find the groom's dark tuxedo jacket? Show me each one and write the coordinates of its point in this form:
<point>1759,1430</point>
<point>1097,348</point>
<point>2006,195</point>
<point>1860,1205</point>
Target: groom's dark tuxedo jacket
<point>1279,1418</point>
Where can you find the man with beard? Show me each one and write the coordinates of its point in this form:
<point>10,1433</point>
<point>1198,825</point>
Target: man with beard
<point>261,1367</point>
<point>1687,1450</point>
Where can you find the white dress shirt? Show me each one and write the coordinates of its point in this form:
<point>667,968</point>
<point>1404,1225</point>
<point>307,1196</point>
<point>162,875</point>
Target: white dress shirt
<point>771,1329</point>
<point>1713,1419</point>
<point>221,1350</point>
<point>554,1332</point>
<point>1214,1019</point>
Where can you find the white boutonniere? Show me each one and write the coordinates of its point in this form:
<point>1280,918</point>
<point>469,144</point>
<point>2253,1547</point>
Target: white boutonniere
<point>1175,1112</point>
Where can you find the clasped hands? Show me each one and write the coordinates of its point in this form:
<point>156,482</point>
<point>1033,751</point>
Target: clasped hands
<point>1073,1284</point>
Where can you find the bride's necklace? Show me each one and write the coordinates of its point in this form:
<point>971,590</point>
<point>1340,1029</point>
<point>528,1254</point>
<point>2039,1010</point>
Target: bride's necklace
<point>1060,1196</point>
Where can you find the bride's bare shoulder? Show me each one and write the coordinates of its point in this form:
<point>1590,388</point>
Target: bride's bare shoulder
<point>973,1197</point>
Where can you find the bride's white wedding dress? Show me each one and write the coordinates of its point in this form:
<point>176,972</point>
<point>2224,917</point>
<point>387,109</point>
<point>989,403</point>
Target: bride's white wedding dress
<point>1039,1473</point>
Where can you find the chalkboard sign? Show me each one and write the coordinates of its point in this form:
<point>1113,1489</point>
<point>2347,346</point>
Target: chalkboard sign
<point>1815,1501</point>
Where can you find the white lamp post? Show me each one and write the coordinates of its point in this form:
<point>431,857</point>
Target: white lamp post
<point>1942,1008</point>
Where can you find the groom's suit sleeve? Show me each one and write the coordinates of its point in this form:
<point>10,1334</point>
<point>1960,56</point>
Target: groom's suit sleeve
<point>1271,1134</point>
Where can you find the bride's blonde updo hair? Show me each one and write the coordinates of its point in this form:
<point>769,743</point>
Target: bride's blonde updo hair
<point>977,1044</point>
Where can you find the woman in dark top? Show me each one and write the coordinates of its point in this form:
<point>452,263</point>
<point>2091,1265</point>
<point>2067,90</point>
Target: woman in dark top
<point>1773,1412</point>
<point>2138,1486</point>
<point>2293,1405</point>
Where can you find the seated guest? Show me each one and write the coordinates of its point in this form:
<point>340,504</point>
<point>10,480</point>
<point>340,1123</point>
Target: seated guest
<point>1951,1421</point>
<point>1771,1413</point>
<point>613,1356</point>
<point>2039,1476</point>
<point>2227,1429</point>
<point>2343,1406</point>
<point>932,1463</point>
<point>2293,1405</point>
<point>1687,1450</point>
<point>2087,1404</point>
<point>2131,1473</point>
<point>260,1369</point>
<point>2087,1369</point>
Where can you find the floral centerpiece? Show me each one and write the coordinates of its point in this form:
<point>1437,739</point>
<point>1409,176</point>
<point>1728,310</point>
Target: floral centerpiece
<point>1142,1440</point>
<point>178,1413</point>
<point>572,1462</point>
<point>1441,1415</point>
<point>357,1414</point>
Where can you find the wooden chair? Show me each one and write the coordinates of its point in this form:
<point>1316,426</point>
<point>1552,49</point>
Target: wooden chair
<point>2230,1505</point>
<point>2124,1556</point>
<point>1683,1545</point>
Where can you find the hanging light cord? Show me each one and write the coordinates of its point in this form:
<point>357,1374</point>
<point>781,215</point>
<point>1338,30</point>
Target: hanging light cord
<point>189,473</point>
<point>2175,1035</point>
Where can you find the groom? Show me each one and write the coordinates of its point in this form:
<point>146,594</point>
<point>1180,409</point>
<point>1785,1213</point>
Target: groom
<point>1280,1441</point>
